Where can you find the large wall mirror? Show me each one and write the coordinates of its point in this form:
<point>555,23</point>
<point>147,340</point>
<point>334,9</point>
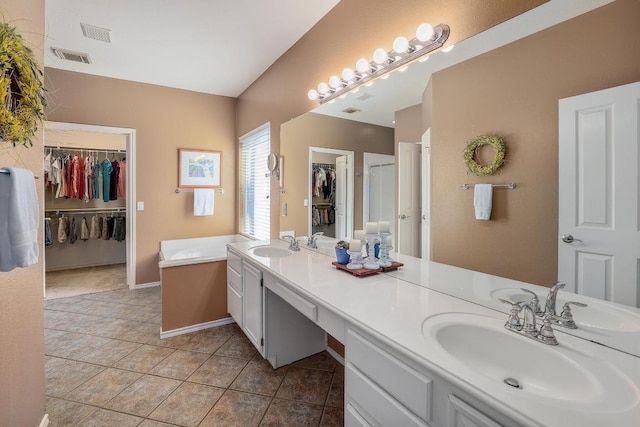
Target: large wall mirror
<point>507,80</point>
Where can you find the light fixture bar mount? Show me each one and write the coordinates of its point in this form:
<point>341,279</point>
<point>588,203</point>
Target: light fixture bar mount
<point>416,49</point>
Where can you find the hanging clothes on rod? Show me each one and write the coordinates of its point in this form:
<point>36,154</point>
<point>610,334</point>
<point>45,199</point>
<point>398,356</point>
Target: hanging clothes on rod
<point>323,180</point>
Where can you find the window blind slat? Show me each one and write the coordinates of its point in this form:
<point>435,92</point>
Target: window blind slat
<point>255,184</point>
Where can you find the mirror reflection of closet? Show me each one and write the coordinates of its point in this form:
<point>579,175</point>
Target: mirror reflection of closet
<point>323,200</point>
<point>96,260</point>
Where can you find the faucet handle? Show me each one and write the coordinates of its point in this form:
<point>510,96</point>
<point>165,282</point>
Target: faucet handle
<point>534,303</point>
<point>566,317</point>
<point>546,334</point>
<point>514,322</point>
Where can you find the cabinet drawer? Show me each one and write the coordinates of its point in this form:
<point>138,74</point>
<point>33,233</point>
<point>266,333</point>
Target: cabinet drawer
<point>234,278</point>
<point>461,413</point>
<point>353,419</point>
<point>296,301</point>
<point>234,304</point>
<point>412,388</point>
<point>234,261</point>
<point>376,402</point>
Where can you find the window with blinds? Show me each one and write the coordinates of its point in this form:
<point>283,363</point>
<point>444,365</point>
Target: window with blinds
<point>255,205</point>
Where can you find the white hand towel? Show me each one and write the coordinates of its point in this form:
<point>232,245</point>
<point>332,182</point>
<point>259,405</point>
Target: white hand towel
<point>482,200</point>
<point>203,201</point>
<point>19,219</point>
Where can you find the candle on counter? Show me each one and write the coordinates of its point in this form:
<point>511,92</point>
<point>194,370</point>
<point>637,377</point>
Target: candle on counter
<point>371,228</point>
<point>383,227</point>
<point>389,241</point>
<point>355,245</point>
<point>358,235</point>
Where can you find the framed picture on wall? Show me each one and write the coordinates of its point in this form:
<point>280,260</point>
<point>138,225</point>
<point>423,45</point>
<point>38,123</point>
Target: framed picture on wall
<point>199,168</point>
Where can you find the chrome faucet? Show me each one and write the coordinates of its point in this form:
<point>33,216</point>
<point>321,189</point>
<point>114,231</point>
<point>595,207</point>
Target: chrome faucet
<point>293,246</point>
<point>550,303</point>
<point>311,241</point>
<point>527,326</point>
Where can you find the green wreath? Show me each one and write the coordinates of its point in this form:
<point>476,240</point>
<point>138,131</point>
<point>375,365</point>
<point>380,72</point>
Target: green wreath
<point>472,147</point>
<point>22,99</point>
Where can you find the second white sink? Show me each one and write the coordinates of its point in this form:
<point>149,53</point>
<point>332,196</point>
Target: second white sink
<point>271,251</point>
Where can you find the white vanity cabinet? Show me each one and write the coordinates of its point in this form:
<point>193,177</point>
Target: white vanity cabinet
<point>234,287</point>
<point>252,322</point>
<point>384,388</point>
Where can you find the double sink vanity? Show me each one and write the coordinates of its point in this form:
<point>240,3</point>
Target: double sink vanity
<point>419,352</point>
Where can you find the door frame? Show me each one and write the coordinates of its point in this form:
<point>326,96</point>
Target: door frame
<point>130,135</point>
<point>350,186</point>
<point>425,196</point>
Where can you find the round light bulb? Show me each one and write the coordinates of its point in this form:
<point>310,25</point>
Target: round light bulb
<point>448,48</point>
<point>362,65</point>
<point>424,32</point>
<point>323,88</point>
<point>348,74</point>
<point>380,56</point>
<point>312,94</point>
<point>334,82</point>
<point>401,44</point>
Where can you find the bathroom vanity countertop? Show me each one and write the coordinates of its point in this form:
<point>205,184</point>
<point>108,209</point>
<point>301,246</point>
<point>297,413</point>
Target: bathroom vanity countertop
<point>393,310</point>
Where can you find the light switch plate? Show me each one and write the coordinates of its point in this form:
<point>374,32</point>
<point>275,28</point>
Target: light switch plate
<point>140,206</point>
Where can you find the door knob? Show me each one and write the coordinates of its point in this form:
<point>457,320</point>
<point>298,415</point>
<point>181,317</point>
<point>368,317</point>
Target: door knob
<point>403,216</point>
<point>424,217</point>
<point>568,238</point>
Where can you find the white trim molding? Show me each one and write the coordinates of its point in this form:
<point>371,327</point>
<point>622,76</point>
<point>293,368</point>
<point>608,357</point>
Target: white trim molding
<point>144,285</point>
<point>45,421</point>
<point>198,327</point>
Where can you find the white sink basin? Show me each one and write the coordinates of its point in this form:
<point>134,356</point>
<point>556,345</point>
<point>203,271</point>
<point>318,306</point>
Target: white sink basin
<point>480,346</point>
<point>271,251</point>
<point>595,316</point>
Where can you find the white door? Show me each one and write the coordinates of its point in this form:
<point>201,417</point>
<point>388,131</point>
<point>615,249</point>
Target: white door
<point>252,324</point>
<point>409,198</point>
<point>425,179</point>
<point>598,194</point>
<point>341,197</point>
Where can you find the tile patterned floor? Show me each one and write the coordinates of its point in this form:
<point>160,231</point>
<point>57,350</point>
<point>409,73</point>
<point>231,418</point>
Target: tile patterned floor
<point>78,281</point>
<point>107,366</point>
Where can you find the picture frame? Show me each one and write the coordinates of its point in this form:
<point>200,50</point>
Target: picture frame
<point>199,168</point>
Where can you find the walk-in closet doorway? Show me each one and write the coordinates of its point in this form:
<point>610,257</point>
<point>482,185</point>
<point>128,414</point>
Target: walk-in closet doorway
<point>89,221</point>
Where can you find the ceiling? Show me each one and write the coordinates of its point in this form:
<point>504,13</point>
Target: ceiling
<point>212,46</point>
<point>404,89</point>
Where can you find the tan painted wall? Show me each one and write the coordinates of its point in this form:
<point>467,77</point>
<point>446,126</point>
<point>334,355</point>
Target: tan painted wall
<point>22,380</point>
<point>408,126</point>
<point>193,294</point>
<point>353,28</point>
<point>514,91</point>
<point>165,119</point>
<point>315,130</point>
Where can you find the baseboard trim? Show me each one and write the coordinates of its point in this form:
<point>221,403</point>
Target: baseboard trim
<point>198,327</point>
<point>45,421</point>
<point>145,285</point>
<point>335,355</point>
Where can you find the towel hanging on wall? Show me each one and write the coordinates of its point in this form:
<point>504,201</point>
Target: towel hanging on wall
<point>203,201</point>
<point>483,200</point>
<point>19,219</point>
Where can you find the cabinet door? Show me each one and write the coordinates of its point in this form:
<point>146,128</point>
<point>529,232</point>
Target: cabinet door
<point>461,414</point>
<point>252,324</point>
<point>234,304</point>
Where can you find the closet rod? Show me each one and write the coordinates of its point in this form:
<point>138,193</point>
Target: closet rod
<point>95,150</point>
<point>328,165</point>
<point>87,210</point>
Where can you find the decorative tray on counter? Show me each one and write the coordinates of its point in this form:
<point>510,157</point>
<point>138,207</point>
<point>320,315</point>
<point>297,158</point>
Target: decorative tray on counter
<point>361,272</point>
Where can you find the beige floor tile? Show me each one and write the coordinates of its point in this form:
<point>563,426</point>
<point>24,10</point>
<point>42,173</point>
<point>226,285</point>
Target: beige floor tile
<point>106,418</point>
<point>63,413</point>
<point>143,396</point>
<point>323,361</point>
<point>237,409</point>
<point>177,341</point>
<point>188,404</point>
<point>305,385</point>
<point>153,423</point>
<point>218,371</point>
<point>259,377</point>
<point>110,353</point>
<point>207,341</point>
<point>80,281</point>
<point>52,364</point>
<point>74,345</point>
<point>336,392</point>
<point>115,328</point>
<point>144,358</point>
<point>180,364</point>
<point>332,417</point>
<point>70,376</point>
<point>103,387</point>
<point>286,413</point>
<point>238,346</point>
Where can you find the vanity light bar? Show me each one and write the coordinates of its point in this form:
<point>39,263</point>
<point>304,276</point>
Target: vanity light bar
<point>404,52</point>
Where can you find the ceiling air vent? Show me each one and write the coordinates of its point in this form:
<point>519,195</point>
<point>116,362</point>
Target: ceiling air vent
<point>364,96</point>
<point>96,33</point>
<point>70,55</point>
<point>351,110</point>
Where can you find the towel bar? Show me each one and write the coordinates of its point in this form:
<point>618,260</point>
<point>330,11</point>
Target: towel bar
<point>510,186</point>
